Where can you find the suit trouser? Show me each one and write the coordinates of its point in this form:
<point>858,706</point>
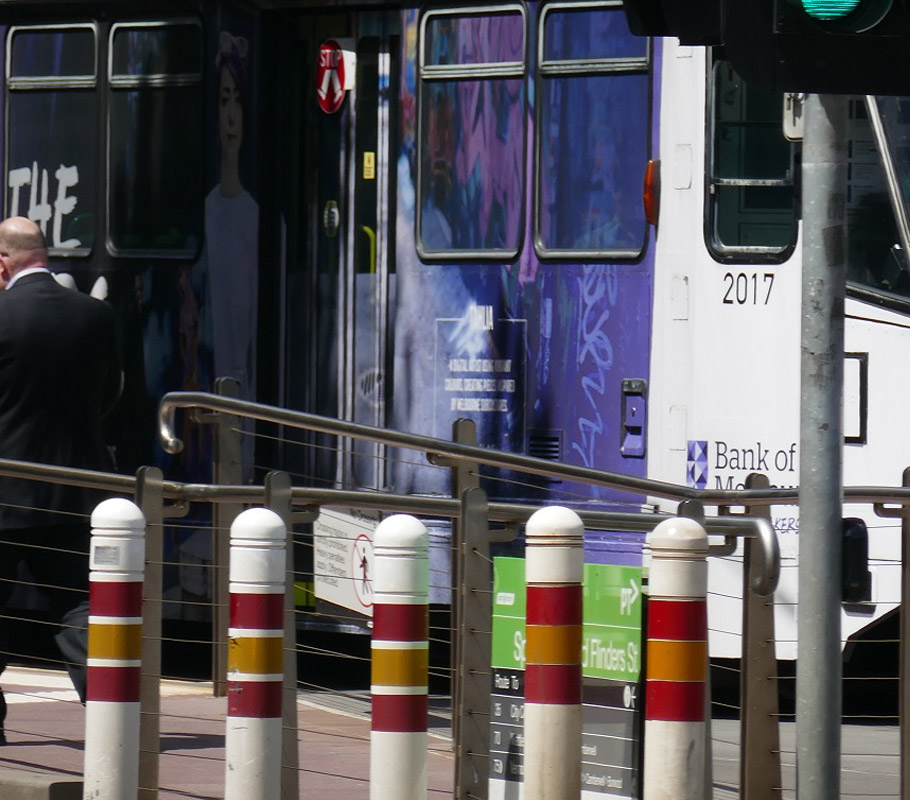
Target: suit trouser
<point>57,558</point>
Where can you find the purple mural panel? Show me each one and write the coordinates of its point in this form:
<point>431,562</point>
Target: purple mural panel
<point>523,348</point>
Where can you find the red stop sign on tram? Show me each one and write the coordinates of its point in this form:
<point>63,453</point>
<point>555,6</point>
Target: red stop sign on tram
<point>330,76</point>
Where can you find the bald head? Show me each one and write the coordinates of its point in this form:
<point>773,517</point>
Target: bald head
<point>22,247</point>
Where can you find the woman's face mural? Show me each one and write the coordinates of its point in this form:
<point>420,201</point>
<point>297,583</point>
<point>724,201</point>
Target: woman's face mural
<point>230,114</point>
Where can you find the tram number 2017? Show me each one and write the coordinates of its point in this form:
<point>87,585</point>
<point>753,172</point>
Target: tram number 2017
<point>748,289</point>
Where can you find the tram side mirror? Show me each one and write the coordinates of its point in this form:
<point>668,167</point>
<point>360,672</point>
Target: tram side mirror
<point>856,580</point>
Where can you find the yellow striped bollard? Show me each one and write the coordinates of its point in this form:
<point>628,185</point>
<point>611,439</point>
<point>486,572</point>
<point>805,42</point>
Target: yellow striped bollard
<point>117,570</point>
<point>554,567</point>
<point>400,651</point>
<point>255,656</point>
<point>677,662</point>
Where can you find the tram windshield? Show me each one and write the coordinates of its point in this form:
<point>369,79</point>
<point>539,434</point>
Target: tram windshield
<point>878,193</point>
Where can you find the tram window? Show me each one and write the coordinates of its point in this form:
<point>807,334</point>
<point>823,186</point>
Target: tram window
<point>592,134</point>
<point>586,33</point>
<point>751,208</point>
<point>875,256</point>
<point>48,53</point>
<point>156,51</point>
<point>51,133</point>
<point>473,39</point>
<point>471,146</point>
<point>155,139</point>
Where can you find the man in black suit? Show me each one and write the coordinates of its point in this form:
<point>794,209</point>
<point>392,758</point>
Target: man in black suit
<point>59,375</point>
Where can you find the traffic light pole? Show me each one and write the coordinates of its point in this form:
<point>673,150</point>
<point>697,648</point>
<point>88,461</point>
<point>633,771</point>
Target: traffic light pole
<point>818,667</point>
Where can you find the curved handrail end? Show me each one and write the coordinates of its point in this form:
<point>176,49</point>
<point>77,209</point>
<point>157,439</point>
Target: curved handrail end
<point>169,440</point>
<point>765,583</point>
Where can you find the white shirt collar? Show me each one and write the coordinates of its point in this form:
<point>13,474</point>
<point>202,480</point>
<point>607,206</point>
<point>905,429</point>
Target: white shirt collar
<point>29,271</point>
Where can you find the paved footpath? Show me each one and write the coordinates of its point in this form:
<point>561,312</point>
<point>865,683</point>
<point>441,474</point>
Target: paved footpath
<point>45,733</point>
<point>45,730</point>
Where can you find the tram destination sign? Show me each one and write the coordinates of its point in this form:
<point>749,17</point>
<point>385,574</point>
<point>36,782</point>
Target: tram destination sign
<point>612,673</point>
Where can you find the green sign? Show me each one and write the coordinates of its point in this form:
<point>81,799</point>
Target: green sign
<point>611,631</point>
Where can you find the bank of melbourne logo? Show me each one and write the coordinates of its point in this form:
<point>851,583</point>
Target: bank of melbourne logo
<point>697,464</point>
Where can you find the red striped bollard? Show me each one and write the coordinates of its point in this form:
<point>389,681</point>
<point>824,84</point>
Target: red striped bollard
<point>677,662</point>
<point>400,650</point>
<point>117,569</point>
<point>554,568</point>
<point>255,656</point>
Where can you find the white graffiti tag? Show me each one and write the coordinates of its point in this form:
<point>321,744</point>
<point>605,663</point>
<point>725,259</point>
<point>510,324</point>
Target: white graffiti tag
<point>598,289</point>
<point>39,210</point>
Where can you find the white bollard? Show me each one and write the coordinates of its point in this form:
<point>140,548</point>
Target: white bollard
<point>677,663</point>
<point>117,569</point>
<point>255,656</point>
<point>554,568</point>
<point>400,656</point>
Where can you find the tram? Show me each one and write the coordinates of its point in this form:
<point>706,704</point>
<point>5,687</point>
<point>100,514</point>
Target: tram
<point>518,213</point>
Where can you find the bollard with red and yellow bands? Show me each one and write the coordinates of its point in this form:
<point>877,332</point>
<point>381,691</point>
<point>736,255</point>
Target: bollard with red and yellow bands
<point>554,564</point>
<point>114,656</point>
<point>255,656</point>
<point>677,663</point>
<point>400,650</point>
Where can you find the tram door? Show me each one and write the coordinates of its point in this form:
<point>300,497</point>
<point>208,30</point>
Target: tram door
<point>349,194</point>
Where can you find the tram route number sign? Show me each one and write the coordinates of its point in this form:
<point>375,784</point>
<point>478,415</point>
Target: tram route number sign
<point>330,76</point>
<point>612,671</point>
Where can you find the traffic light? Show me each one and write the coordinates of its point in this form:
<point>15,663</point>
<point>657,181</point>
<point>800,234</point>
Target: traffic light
<point>847,16</point>
<point>693,22</point>
<point>826,46</point>
<point>856,580</point>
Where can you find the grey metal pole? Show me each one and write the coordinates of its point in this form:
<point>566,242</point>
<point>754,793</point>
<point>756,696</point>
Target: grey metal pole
<point>818,667</point>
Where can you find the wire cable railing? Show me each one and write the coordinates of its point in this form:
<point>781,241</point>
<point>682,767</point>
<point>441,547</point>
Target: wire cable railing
<point>306,500</point>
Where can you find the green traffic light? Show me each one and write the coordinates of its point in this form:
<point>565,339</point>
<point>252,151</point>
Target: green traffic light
<point>826,10</point>
<point>852,16</point>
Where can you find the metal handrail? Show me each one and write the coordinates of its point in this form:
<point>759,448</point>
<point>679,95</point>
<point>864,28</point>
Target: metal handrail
<point>441,452</point>
<point>641,522</point>
<point>85,478</point>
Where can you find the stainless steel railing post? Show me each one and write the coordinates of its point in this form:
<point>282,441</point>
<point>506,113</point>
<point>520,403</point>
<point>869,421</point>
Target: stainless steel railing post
<point>474,603</point>
<point>150,499</point>
<point>904,669</point>
<point>278,499</point>
<point>759,761</point>
<point>464,478</point>
<point>227,469</point>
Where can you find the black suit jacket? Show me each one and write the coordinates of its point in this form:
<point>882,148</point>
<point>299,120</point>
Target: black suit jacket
<point>60,374</point>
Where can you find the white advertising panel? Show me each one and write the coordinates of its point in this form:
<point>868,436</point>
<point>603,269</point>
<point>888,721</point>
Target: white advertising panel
<point>343,560</point>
